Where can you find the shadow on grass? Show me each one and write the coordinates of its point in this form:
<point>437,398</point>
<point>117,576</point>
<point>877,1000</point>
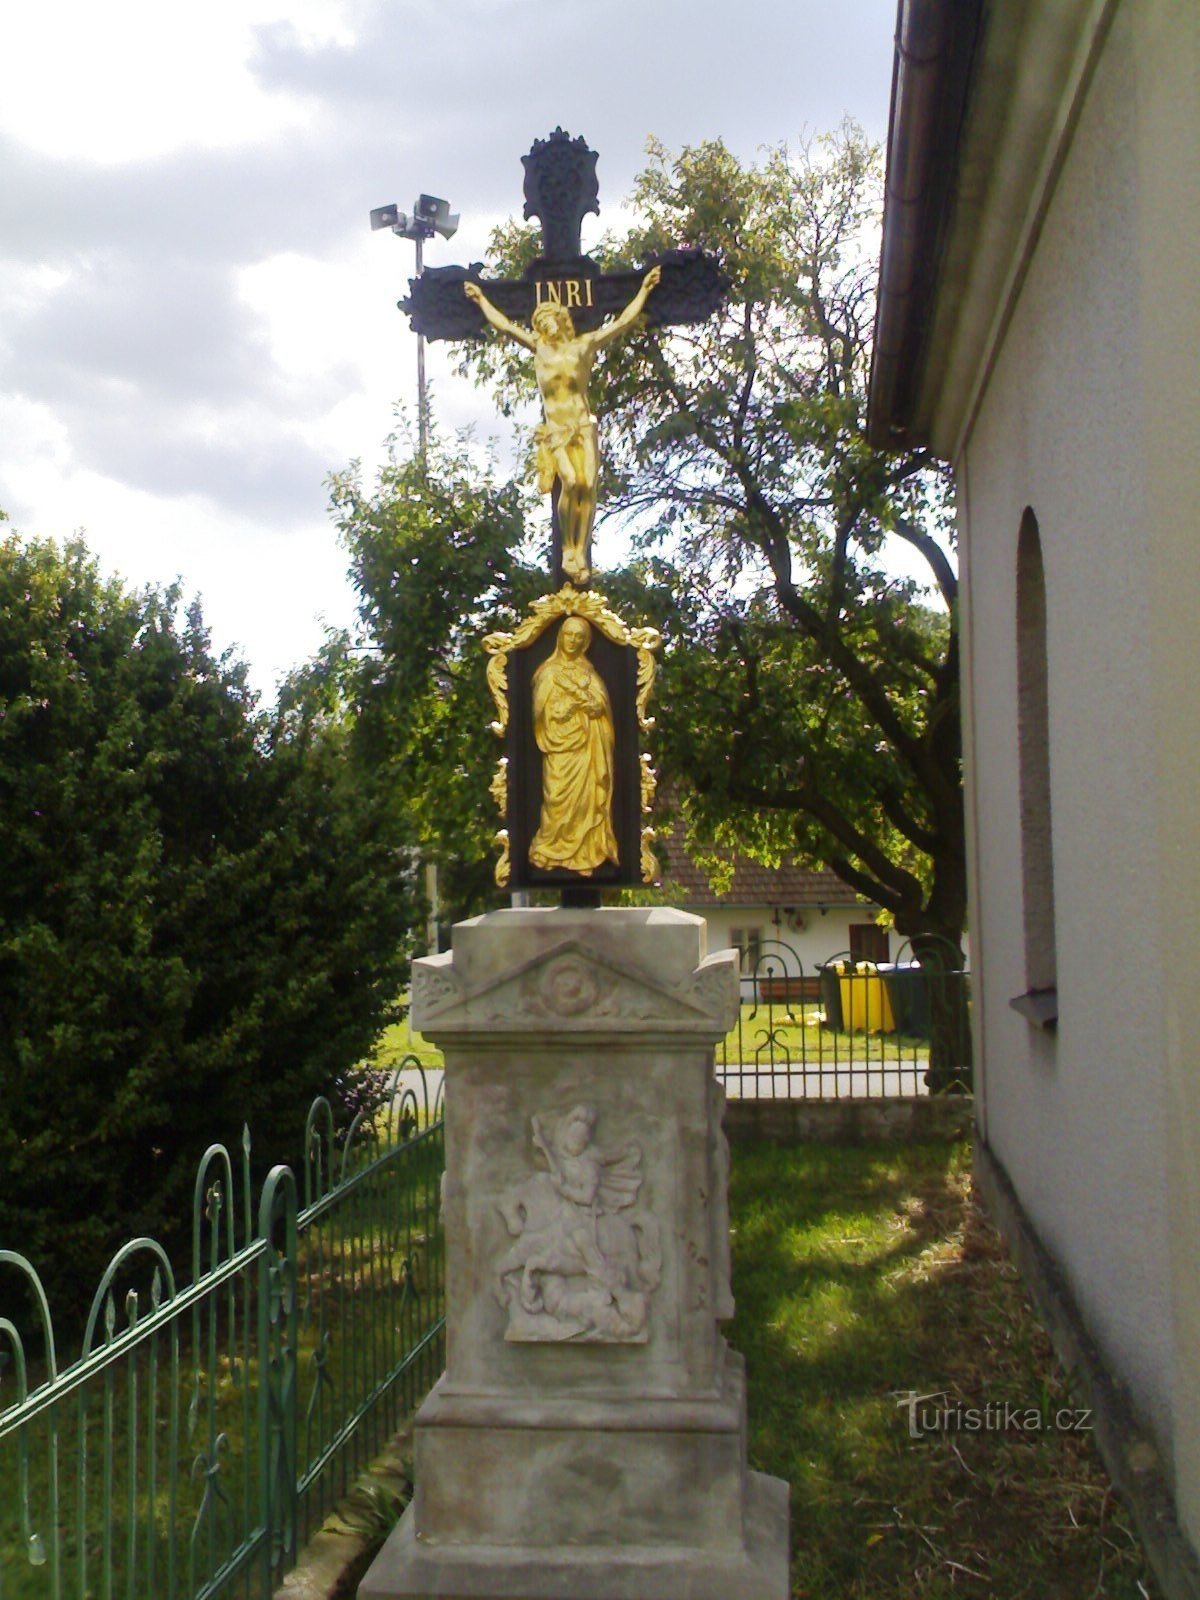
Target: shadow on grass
<point>865,1274</point>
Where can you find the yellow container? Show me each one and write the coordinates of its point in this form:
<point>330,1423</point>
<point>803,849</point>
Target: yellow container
<point>866,1007</point>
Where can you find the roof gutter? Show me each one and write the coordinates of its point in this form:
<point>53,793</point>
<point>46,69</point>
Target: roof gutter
<point>936,49</point>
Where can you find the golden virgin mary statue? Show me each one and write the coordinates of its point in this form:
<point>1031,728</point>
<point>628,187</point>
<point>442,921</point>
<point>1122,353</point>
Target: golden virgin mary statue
<point>573,727</point>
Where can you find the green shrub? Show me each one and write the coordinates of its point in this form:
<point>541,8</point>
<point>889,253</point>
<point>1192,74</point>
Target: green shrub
<point>203,910</point>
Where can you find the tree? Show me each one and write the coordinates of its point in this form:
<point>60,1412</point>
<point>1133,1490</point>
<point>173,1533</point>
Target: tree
<point>439,554</point>
<point>807,580</point>
<point>809,700</point>
<point>203,917</point>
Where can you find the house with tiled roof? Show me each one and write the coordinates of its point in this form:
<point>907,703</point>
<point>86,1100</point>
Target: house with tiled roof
<point>799,916</point>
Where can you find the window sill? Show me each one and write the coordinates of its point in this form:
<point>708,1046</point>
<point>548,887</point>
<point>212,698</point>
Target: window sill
<point>1039,1007</point>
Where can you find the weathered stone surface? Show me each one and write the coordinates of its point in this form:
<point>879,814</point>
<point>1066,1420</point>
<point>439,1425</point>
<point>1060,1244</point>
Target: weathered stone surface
<point>661,1104</point>
<point>539,1473</point>
<point>537,970</point>
<point>342,1544</point>
<point>588,1435</point>
<point>757,1571</point>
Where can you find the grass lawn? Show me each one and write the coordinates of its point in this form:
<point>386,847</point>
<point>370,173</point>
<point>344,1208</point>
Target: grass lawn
<point>399,1041</point>
<point>860,1275</point>
<point>797,1033</point>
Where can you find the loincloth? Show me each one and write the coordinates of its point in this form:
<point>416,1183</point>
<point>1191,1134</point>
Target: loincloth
<point>552,436</point>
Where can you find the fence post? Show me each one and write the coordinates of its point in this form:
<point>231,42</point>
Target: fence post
<point>37,1544</point>
<point>277,1392</point>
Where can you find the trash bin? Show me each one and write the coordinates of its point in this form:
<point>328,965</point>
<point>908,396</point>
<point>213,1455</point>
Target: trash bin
<point>908,991</point>
<point>830,993</point>
<point>865,1004</point>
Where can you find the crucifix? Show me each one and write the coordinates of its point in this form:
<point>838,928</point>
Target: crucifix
<point>566,299</point>
<point>572,681</point>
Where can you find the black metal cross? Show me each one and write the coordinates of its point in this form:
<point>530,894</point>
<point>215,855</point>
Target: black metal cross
<point>560,190</point>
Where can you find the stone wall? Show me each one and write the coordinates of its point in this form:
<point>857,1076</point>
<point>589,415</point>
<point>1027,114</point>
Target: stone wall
<point>903,1119</point>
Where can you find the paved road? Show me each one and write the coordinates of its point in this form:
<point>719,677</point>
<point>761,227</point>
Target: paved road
<point>851,1080</point>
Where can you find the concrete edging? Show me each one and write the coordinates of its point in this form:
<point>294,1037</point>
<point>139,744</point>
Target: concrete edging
<point>340,1550</point>
<point>901,1119</point>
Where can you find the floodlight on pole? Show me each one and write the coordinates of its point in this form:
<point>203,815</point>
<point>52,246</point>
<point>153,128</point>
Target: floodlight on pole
<point>429,215</point>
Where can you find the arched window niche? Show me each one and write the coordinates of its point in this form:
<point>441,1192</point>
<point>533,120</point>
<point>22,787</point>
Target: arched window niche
<point>1039,1002</point>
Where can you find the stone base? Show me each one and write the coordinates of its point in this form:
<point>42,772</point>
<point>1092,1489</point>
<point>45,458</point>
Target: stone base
<point>587,1440</point>
<point>529,1473</point>
<point>408,1568</point>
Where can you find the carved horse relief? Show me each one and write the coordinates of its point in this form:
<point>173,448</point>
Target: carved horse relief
<point>585,1259</point>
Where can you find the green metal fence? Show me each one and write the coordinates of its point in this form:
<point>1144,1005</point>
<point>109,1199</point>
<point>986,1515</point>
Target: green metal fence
<point>850,1029</point>
<point>204,1430</point>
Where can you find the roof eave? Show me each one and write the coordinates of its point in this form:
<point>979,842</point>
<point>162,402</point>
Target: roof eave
<point>937,44</point>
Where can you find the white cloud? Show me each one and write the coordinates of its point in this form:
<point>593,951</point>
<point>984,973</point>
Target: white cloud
<point>132,78</point>
<point>266,593</point>
<point>196,325</point>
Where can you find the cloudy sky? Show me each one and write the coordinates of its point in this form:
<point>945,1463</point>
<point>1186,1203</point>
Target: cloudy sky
<point>196,324</point>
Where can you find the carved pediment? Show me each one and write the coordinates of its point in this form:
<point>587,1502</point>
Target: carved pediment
<point>573,987</point>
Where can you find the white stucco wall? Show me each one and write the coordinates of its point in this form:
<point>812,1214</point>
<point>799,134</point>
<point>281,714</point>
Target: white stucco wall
<point>822,936</point>
<point>1091,417</point>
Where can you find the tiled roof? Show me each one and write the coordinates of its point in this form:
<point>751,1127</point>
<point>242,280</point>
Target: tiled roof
<point>751,885</point>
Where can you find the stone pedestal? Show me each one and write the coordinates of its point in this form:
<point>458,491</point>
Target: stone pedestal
<point>587,1439</point>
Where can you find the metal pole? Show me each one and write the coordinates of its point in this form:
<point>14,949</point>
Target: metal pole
<point>422,423</point>
<point>431,871</point>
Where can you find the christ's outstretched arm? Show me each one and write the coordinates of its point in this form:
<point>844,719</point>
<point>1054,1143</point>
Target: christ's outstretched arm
<point>629,315</point>
<point>497,318</point>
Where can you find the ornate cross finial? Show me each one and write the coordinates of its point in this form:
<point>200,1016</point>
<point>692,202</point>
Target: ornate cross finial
<point>563,307</point>
<point>560,190</point>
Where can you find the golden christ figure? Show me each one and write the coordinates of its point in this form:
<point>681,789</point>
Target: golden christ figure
<point>566,440</point>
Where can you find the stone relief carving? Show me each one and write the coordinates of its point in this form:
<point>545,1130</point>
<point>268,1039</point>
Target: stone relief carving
<point>433,988</point>
<point>570,986</point>
<point>576,988</point>
<point>585,1258</point>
